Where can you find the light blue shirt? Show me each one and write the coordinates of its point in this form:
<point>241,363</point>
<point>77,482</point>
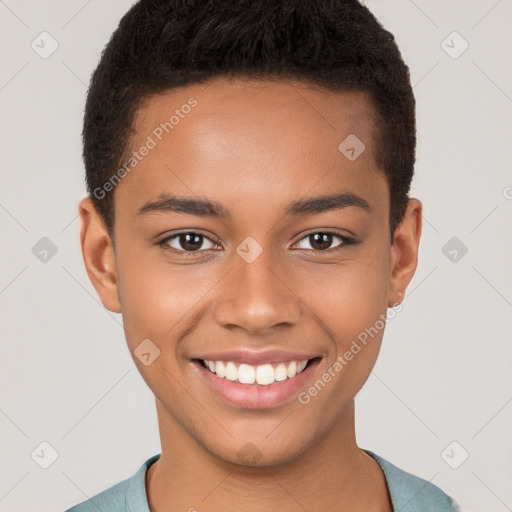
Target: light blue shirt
<point>409,493</point>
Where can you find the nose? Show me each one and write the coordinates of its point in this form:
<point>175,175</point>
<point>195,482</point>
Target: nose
<point>257,296</point>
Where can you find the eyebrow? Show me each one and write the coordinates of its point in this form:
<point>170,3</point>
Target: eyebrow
<point>204,207</point>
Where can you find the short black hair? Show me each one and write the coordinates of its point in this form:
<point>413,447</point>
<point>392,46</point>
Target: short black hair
<point>162,44</point>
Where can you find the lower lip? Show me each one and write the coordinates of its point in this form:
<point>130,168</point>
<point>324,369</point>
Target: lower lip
<point>256,396</point>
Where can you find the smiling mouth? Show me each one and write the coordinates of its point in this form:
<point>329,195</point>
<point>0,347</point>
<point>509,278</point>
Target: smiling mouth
<point>264,374</point>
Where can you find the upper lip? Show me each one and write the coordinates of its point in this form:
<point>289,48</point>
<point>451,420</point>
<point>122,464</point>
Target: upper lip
<point>257,357</point>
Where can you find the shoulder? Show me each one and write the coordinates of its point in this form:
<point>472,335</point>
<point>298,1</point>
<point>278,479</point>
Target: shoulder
<point>112,499</point>
<point>410,493</point>
<point>126,496</point>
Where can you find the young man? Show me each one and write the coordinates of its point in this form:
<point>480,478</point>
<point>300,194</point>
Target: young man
<point>248,167</point>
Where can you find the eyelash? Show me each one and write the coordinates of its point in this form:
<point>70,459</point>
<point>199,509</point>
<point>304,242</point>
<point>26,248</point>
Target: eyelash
<point>163,243</point>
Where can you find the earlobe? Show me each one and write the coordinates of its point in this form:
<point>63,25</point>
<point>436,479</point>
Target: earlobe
<point>98,255</point>
<point>404,251</point>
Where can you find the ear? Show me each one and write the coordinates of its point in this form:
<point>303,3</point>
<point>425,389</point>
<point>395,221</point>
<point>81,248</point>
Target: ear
<point>404,251</point>
<point>98,254</point>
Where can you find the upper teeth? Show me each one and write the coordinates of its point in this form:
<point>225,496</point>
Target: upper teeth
<point>264,374</point>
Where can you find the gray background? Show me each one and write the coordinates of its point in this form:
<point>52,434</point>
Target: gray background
<point>444,373</point>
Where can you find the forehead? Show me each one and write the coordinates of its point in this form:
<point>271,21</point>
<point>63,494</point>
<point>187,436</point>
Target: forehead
<point>232,137</point>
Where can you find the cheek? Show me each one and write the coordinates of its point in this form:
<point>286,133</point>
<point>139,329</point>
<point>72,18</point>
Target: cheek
<point>351,303</point>
<point>349,297</point>
<point>141,290</point>
<point>158,299</point>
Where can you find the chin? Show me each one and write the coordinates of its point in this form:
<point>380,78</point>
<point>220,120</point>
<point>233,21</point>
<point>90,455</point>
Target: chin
<point>258,454</point>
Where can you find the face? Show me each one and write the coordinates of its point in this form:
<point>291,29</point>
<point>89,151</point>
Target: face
<point>252,254</point>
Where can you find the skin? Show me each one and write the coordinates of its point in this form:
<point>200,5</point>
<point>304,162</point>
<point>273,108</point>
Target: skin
<point>254,147</point>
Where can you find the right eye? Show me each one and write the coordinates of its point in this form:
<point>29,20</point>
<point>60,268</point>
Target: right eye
<point>186,242</point>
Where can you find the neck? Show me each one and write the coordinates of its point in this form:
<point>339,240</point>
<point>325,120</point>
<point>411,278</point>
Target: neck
<point>334,474</point>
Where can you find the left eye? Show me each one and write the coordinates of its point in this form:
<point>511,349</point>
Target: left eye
<point>321,240</point>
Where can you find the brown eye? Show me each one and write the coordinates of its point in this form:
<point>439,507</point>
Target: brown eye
<point>322,240</point>
<point>187,242</point>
